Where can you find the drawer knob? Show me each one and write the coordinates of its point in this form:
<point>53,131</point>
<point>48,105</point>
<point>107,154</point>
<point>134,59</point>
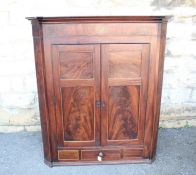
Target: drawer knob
<point>100,156</point>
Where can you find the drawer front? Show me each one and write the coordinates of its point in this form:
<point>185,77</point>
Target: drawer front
<point>92,155</point>
<point>129,153</point>
<point>68,155</point>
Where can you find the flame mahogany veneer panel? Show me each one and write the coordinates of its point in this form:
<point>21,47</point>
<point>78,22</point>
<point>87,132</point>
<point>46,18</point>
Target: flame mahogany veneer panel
<point>76,65</point>
<point>123,112</point>
<point>76,87</point>
<point>124,61</point>
<point>99,86</point>
<point>78,113</point>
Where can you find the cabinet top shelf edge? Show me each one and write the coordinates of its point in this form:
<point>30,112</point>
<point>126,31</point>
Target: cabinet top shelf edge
<point>89,19</point>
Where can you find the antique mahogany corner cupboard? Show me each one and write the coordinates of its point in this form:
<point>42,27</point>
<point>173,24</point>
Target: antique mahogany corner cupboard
<point>99,85</point>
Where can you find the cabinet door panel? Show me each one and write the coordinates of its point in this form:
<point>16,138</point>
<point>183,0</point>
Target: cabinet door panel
<point>76,65</point>
<point>124,88</point>
<point>78,113</point>
<point>123,111</point>
<point>123,62</point>
<point>76,70</point>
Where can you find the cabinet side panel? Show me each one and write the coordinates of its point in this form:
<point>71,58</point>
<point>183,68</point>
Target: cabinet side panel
<point>152,83</point>
<point>41,87</point>
<point>160,66</point>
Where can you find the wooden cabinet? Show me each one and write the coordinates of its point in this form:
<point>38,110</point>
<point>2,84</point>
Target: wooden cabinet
<point>99,85</point>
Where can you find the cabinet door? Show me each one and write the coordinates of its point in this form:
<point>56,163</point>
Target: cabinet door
<point>124,92</point>
<point>76,71</point>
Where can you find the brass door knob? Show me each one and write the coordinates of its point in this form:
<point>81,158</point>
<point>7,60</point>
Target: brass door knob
<point>100,156</point>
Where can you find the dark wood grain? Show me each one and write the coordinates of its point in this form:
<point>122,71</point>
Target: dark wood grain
<point>115,62</point>
<point>78,113</point>
<point>128,153</point>
<point>76,93</point>
<point>41,87</point>
<point>68,155</point>
<point>74,65</point>
<point>91,155</point>
<point>123,106</point>
<point>124,61</point>
<point>125,97</point>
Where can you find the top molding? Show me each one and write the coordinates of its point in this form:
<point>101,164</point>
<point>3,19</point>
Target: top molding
<point>100,19</point>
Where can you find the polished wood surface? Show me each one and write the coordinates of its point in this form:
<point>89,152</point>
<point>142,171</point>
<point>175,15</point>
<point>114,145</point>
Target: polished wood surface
<point>124,94</point>
<point>68,155</point>
<point>91,155</point>
<point>78,113</point>
<point>124,60</point>
<point>76,86</point>
<point>123,112</point>
<point>75,65</point>
<point>99,86</point>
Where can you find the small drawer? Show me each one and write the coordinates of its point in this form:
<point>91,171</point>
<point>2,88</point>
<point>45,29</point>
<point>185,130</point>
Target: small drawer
<point>128,153</point>
<point>106,155</point>
<point>68,155</point>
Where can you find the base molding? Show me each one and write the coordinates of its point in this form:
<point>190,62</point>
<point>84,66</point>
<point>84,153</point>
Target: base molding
<point>82,163</point>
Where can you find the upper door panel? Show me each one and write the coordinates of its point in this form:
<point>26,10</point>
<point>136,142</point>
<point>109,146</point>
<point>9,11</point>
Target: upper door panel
<point>124,61</point>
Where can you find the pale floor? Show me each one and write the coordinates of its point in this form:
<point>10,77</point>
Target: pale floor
<point>21,154</point>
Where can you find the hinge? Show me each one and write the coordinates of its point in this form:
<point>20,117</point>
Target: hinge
<point>99,104</point>
<point>54,100</point>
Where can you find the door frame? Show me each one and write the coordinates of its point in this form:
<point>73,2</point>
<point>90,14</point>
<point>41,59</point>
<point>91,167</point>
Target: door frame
<point>143,83</point>
<point>94,82</point>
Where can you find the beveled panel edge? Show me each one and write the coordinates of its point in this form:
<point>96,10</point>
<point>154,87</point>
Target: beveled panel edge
<point>140,146</point>
<point>124,81</point>
<point>78,82</point>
